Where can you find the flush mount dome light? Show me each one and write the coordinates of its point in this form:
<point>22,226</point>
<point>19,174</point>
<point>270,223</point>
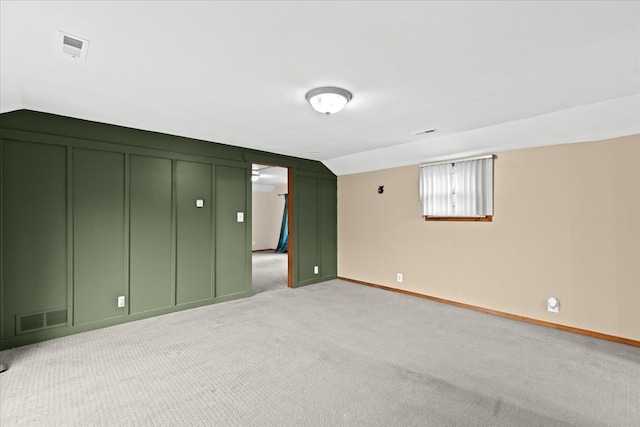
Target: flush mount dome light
<point>328,100</point>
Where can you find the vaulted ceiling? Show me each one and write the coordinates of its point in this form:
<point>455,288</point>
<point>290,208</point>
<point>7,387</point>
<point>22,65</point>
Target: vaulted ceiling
<point>489,76</point>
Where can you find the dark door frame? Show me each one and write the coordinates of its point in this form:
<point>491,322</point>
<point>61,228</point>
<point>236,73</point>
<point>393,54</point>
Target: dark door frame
<point>290,227</point>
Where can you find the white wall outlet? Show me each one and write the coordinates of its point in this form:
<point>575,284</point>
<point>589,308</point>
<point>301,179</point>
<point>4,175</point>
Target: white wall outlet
<point>121,301</point>
<point>199,203</point>
<point>315,269</point>
<point>240,216</point>
<point>399,277</point>
<point>553,305</point>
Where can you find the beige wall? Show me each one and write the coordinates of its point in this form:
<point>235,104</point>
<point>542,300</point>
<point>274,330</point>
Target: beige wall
<point>566,224</point>
<point>266,218</point>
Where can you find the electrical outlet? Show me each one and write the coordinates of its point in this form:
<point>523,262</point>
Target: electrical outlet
<point>315,269</point>
<point>121,301</point>
<point>399,277</point>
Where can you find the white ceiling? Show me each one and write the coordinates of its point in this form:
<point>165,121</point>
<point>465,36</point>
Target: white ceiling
<point>490,76</point>
<point>270,177</point>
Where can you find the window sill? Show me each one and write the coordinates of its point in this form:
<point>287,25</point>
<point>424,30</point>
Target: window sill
<point>488,218</point>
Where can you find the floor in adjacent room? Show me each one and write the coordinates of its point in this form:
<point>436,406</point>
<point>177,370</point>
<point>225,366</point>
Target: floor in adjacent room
<point>329,354</point>
<point>269,271</point>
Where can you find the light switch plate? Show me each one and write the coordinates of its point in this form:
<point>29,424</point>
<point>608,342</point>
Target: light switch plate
<point>240,216</point>
<point>121,301</point>
<point>315,269</point>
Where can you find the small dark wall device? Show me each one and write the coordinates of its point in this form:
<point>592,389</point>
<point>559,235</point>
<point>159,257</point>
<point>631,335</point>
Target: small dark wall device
<point>380,189</point>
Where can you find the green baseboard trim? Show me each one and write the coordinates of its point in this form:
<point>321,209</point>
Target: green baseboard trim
<point>315,280</point>
<point>49,334</point>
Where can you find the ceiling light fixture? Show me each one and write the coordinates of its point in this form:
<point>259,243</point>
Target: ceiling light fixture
<point>328,100</point>
<point>255,175</point>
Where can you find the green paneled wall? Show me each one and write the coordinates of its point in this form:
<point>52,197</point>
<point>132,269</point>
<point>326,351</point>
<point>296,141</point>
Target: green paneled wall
<point>307,228</point>
<point>34,238</point>
<point>231,198</point>
<point>98,235</point>
<point>316,228</point>
<point>150,208</point>
<point>193,181</point>
<point>91,212</point>
<point>327,227</point>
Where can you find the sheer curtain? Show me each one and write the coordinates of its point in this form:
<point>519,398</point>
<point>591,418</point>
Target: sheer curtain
<point>473,195</point>
<point>474,191</point>
<point>436,198</point>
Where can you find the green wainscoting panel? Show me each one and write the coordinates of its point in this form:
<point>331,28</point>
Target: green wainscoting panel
<point>34,230</point>
<point>327,227</point>
<point>193,181</point>
<point>150,284</point>
<point>94,211</point>
<point>307,227</point>
<point>98,234</point>
<point>231,250</point>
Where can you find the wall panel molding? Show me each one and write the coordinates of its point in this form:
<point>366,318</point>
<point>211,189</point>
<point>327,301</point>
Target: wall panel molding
<point>86,307</point>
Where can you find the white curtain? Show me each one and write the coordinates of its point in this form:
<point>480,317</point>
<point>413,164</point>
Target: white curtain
<point>436,197</point>
<point>473,192</point>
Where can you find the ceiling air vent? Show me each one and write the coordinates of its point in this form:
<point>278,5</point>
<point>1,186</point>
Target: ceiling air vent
<point>73,46</point>
<point>423,132</point>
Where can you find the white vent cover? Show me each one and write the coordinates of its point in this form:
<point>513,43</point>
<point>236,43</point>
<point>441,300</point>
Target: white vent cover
<point>422,132</point>
<point>72,45</point>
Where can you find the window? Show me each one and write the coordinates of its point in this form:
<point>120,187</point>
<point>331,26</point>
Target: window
<point>459,190</point>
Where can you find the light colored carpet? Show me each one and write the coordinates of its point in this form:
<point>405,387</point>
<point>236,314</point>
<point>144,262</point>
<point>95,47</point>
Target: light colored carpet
<point>269,271</point>
<point>333,353</point>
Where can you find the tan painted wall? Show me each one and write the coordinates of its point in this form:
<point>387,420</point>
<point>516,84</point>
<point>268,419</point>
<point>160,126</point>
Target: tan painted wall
<point>266,219</point>
<point>566,224</point>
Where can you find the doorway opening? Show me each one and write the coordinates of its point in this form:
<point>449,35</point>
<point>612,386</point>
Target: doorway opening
<point>270,228</point>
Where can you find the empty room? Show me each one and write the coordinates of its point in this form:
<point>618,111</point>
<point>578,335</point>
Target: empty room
<point>306,213</point>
